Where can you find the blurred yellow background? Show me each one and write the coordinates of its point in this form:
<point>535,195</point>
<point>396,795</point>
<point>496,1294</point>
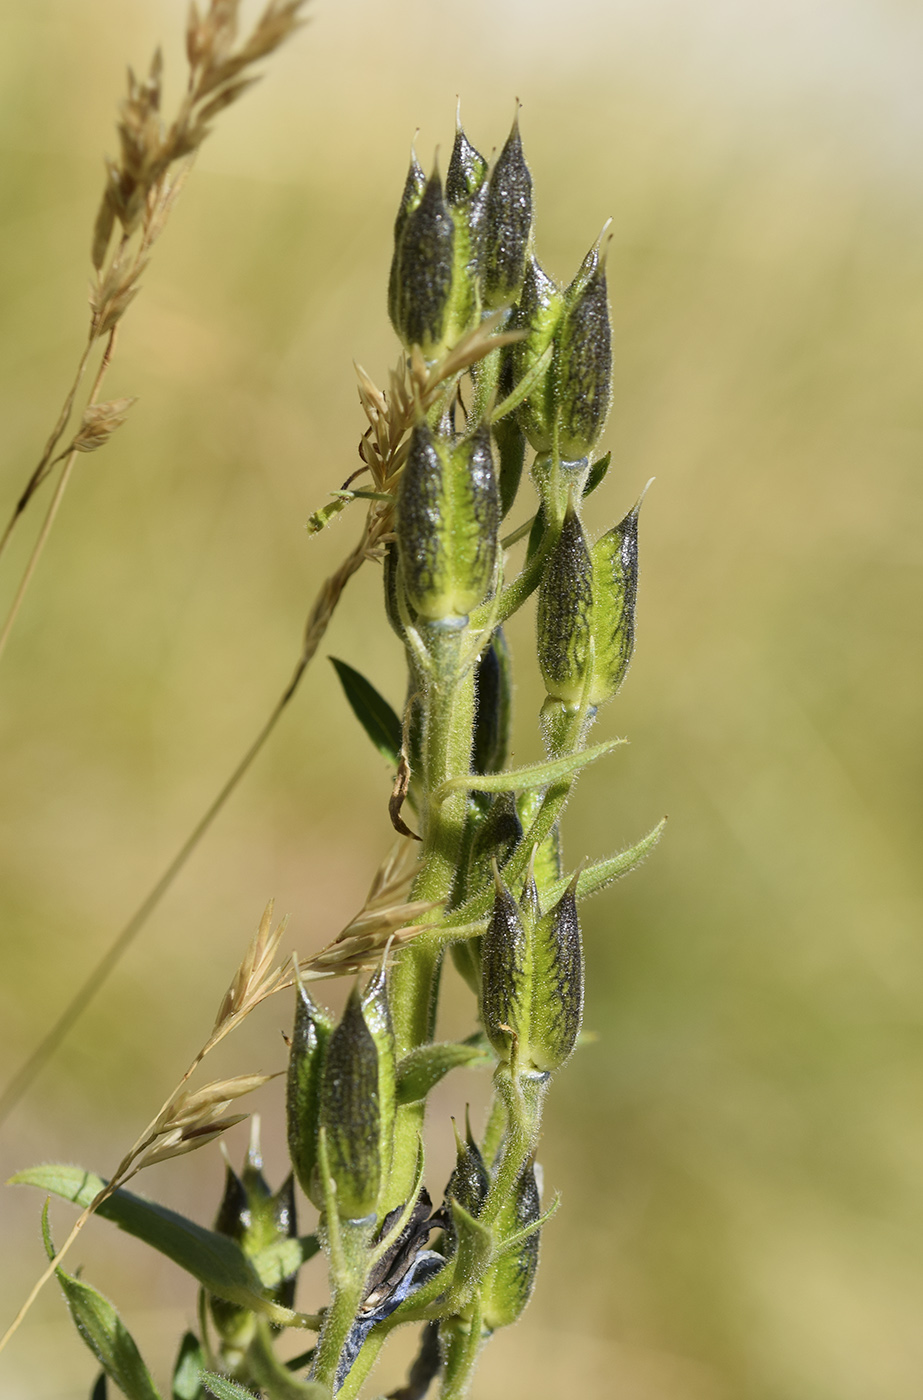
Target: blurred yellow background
<point>741,1152</point>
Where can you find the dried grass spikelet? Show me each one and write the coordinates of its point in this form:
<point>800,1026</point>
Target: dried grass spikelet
<point>193,1118</point>
<point>99,422</point>
<point>255,978</point>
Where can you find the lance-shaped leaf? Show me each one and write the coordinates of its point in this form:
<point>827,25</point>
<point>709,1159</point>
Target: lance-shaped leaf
<point>422,1069</point>
<point>225,1389</point>
<point>601,873</point>
<point>597,474</point>
<point>372,711</point>
<point>216,1261</point>
<point>187,1373</point>
<point>536,775</point>
<point>104,1332</point>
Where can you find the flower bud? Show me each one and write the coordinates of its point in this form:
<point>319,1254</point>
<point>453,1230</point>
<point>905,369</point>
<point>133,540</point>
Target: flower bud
<point>357,1099</point>
<point>414,186</point>
<point>433,289</point>
<point>615,589</point>
<point>256,1219</point>
<point>448,521</point>
<point>508,1285</point>
<point>493,694</point>
<point>538,313</point>
<point>532,979</point>
<point>583,360</point>
<point>468,1184</point>
<point>467,173</point>
<point>565,603</point>
<point>310,1039</point>
<point>507,225</point>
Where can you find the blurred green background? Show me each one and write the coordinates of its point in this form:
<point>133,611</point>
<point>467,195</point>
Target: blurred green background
<point>741,1152</point>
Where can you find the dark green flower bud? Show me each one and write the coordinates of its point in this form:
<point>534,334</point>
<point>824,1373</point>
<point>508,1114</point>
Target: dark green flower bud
<point>565,603</point>
<point>493,696</point>
<point>310,1039</point>
<point>256,1218</point>
<point>508,1285</point>
<point>507,225</point>
<point>414,186</point>
<point>433,290</point>
<point>511,450</point>
<point>497,838</point>
<point>615,589</point>
<point>357,1103</point>
<point>468,1184</point>
<point>583,361</point>
<point>532,979</point>
<point>538,313</point>
<point>448,521</point>
<point>467,172</point>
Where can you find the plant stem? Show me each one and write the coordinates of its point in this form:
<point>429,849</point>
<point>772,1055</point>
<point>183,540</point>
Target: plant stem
<point>348,1280</point>
<point>463,1344</point>
<point>55,500</point>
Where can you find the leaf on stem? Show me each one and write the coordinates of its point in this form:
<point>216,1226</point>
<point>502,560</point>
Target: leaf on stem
<point>536,775</point>
<point>372,711</point>
<point>216,1261</point>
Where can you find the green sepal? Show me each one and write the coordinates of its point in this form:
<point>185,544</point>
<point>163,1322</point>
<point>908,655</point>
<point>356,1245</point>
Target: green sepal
<point>448,523</point>
<point>508,1284</point>
<point>225,1389</point>
<point>187,1372</point>
<point>597,474</point>
<point>475,1243</point>
<point>615,587</point>
<point>310,1039</point>
<point>582,372</point>
<point>218,1263</point>
<point>103,1330</point>
<point>372,711</point>
<point>536,775</point>
<point>507,224</point>
<point>565,607</point>
<point>423,1068</point>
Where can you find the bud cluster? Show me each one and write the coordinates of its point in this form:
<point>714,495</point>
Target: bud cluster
<point>490,868</point>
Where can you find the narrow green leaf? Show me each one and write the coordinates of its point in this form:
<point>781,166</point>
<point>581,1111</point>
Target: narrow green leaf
<point>597,876</point>
<point>372,711</point>
<point>215,1260</point>
<point>100,1389</point>
<point>224,1389</point>
<point>187,1373</point>
<point>105,1334</point>
<point>423,1068</point>
<point>603,872</point>
<point>537,775</point>
<point>273,1376</point>
<point>597,473</point>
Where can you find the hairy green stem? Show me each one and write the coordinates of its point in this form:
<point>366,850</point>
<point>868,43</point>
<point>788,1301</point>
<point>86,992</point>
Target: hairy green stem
<point>462,1347</point>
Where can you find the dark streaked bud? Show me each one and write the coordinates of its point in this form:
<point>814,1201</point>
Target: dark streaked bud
<point>350,1113</point>
<point>615,589</point>
<point>448,521</point>
<point>493,697</point>
<point>310,1039</point>
<point>508,1285</point>
<point>583,361</point>
<point>256,1218</point>
<point>557,988</point>
<point>414,186</point>
<point>532,979</point>
<point>377,1015</point>
<point>357,1100</point>
<point>425,261</point>
<point>505,980</point>
<point>468,1184</point>
<point>565,603</point>
<point>538,313</point>
<point>467,171</point>
<point>507,224</point>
